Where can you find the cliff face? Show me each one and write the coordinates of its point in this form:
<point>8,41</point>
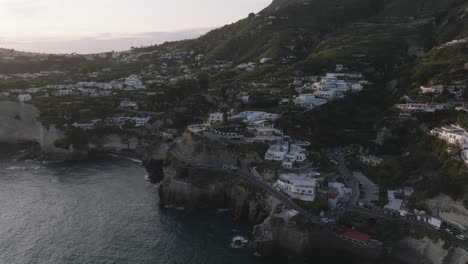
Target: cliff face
<point>412,250</point>
<point>19,124</point>
<point>282,231</point>
<point>244,203</point>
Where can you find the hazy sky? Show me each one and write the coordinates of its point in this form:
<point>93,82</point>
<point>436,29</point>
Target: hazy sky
<point>25,23</point>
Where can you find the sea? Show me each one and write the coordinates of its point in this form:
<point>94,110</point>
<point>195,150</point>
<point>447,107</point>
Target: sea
<point>103,210</point>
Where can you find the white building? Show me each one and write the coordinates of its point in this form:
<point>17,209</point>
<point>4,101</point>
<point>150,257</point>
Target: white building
<point>133,82</point>
<point>309,101</point>
<point>140,121</point>
<point>286,153</point>
<point>251,117</point>
<point>297,186</point>
<point>394,204</point>
<point>339,194</point>
<point>431,89</point>
<point>265,60</point>
<point>371,160</point>
<point>216,118</point>
<point>33,90</point>
<point>24,97</point>
<point>128,105</point>
<point>296,154</point>
<point>421,107</point>
<point>329,94</point>
<point>277,152</point>
<point>451,134</point>
<point>65,92</point>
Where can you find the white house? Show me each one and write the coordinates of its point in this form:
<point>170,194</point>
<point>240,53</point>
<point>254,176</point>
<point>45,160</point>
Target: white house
<point>65,92</point>
<point>339,193</point>
<point>287,153</point>
<point>431,89</point>
<point>451,134</point>
<point>309,101</point>
<point>329,94</point>
<point>24,97</point>
<point>216,118</point>
<point>265,60</point>
<point>394,204</point>
<point>140,121</point>
<point>296,154</point>
<point>277,152</point>
<point>297,186</point>
<point>370,160</point>
<point>251,117</point>
<point>421,107</point>
<point>133,82</point>
<point>128,105</point>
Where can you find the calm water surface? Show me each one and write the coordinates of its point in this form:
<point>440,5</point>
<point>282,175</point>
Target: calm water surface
<point>103,211</point>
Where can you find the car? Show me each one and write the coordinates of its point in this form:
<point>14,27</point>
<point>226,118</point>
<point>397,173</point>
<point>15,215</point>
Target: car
<point>449,231</point>
<point>461,237</point>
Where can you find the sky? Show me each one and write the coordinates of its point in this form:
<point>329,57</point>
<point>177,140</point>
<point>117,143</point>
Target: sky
<point>88,26</point>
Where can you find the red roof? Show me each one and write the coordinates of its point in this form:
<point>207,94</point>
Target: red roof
<point>355,235</point>
<point>331,195</point>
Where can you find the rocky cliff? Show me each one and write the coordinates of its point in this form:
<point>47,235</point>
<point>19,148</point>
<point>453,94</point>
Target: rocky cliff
<point>19,124</point>
<point>285,231</point>
<point>426,251</point>
<point>191,189</point>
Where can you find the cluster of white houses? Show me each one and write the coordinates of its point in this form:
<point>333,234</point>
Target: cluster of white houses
<point>138,122</point>
<point>258,124</point>
<point>94,89</point>
<point>395,206</point>
<point>305,185</point>
<point>287,153</point>
<point>316,91</point>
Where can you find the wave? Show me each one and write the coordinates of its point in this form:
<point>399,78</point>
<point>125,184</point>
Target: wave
<point>126,158</point>
<point>239,242</point>
<point>16,168</point>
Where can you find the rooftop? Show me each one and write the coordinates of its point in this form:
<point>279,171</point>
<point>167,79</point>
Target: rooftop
<point>355,235</point>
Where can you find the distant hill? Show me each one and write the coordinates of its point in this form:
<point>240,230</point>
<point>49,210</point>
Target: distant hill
<point>317,33</point>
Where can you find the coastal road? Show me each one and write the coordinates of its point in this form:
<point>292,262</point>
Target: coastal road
<point>350,180</point>
<point>348,177</point>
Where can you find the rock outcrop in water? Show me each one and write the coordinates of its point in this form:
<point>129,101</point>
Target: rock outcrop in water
<point>155,170</point>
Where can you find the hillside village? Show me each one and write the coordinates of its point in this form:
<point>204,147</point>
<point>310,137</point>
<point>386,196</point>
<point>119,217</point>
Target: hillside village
<point>342,124</point>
